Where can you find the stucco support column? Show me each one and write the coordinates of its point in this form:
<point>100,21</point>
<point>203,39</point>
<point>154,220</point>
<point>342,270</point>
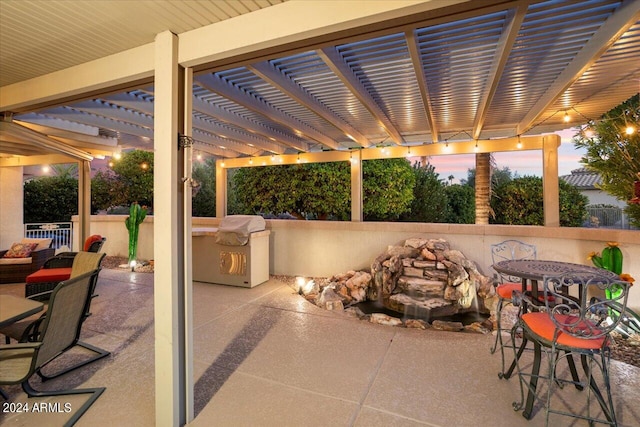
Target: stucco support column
<point>221,189</point>
<point>187,162</point>
<point>356,186</point>
<point>84,203</point>
<point>550,180</point>
<point>483,187</point>
<point>169,245</point>
<point>11,206</point>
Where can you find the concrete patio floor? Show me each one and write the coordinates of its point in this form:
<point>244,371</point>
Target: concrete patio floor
<point>266,357</point>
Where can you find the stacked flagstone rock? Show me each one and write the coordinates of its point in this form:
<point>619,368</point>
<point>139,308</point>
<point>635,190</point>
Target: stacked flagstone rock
<point>422,278</point>
<point>427,279</point>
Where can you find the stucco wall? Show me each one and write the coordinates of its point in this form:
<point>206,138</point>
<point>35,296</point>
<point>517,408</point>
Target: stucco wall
<point>322,248</point>
<point>11,200</point>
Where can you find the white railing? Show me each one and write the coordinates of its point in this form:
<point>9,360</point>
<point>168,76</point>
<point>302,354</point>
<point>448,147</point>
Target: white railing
<point>61,233</point>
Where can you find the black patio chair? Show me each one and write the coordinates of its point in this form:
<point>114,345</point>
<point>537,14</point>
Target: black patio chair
<point>571,326</point>
<point>57,333</point>
<point>507,250</point>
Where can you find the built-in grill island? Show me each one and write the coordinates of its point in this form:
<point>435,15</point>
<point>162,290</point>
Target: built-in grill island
<point>236,253</point>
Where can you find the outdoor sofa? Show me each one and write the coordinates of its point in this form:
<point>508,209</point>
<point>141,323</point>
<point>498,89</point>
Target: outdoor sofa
<point>15,270</point>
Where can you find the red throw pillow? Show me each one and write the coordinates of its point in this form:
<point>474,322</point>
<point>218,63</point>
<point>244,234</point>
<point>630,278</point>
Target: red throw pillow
<point>20,250</point>
<point>90,240</point>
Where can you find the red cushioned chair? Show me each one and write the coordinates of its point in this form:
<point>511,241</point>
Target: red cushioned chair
<point>570,327</point>
<point>507,250</point>
<point>57,269</point>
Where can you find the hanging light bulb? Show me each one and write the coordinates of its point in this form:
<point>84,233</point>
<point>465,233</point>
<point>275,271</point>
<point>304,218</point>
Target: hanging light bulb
<point>519,144</point>
<point>251,161</point>
<point>567,117</point>
<point>476,148</point>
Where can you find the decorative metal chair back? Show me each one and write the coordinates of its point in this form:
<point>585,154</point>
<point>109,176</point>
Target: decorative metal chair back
<point>512,250</point>
<point>584,316</point>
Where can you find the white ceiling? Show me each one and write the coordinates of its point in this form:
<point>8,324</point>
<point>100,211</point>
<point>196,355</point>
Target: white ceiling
<point>478,74</point>
<point>38,37</point>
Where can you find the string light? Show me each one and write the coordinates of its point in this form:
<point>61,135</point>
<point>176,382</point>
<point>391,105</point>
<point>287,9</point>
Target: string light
<point>630,130</point>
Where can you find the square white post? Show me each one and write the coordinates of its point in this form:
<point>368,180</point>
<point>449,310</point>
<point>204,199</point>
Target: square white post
<point>168,248</point>
<point>550,180</point>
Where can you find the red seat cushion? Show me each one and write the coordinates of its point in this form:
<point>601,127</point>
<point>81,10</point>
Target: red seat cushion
<point>542,325</point>
<point>506,289</point>
<point>90,240</point>
<point>49,275</point>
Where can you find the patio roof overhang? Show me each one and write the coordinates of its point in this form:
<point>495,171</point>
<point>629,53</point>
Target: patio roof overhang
<point>459,71</point>
<point>284,76</point>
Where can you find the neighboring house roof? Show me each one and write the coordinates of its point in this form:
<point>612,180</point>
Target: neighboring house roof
<point>583,179</point>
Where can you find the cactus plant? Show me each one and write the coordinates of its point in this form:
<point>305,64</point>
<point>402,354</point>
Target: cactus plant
<point>611,259</point>
<point>132,222</point>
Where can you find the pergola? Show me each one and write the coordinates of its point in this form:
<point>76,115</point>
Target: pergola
<point>268,82</point>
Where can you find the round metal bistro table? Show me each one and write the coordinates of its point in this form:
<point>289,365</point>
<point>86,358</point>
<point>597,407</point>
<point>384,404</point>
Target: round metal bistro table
<point>535,270</point>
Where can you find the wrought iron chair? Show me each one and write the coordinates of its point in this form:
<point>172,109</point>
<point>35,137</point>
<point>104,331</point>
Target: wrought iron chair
<point>29,330</point>
<point>507,250</point>
<point>571,326</point>
<point>58,333</point>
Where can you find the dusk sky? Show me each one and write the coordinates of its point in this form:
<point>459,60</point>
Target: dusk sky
<point>523,162</point>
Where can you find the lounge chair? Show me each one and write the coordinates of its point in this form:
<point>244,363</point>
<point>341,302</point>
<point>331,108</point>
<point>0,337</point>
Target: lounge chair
<point>57,333</point>
<point>29,330</point>
<point>57,268</point>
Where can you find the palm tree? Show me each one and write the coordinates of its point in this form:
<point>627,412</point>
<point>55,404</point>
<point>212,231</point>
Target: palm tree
<point>65,170</point>
<point>483,187</point>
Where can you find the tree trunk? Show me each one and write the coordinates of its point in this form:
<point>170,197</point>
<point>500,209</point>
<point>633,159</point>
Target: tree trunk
<point>483,187</point>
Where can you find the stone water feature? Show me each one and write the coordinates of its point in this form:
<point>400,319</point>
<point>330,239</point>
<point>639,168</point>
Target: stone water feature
<point>421,280</point>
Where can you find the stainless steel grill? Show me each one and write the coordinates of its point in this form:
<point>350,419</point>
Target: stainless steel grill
<point>236,253</point>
